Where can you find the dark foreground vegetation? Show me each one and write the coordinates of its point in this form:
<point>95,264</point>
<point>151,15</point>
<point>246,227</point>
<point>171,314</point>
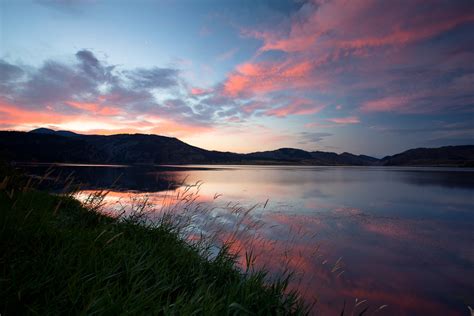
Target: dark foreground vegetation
<point>60,257</point>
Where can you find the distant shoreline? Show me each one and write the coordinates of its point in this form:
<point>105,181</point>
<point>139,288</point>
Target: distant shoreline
<point>44,146</point>
<point>203,166</point>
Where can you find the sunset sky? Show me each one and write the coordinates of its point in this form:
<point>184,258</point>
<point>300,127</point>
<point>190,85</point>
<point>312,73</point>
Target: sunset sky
<point>364,76</point>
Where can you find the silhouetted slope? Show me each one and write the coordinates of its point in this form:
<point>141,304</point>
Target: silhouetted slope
<point>292,155</point>
<point>48,131</point>
<point>140,148</point>
<point>46,145</point>
<point>283,154</point>
<point>448,155</point>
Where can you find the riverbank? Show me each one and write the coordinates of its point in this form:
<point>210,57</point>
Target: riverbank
<point>59,257</point>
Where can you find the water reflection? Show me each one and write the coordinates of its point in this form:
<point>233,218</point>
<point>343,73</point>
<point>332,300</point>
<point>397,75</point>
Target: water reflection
<point>120,178</point>
<point>404,234</point>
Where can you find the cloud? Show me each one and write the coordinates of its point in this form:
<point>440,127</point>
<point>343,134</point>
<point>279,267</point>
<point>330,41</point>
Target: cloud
<point>94,91</point>
<point>371,59</point>
<point>338,24</point>
<point>95,108</point>
<point>53,82</point>
<point>93,68</point>
<point>12,115</point>
<point>153,78</point>
<point>386,57</point>
<point>9,72</point>
<point>386,104</point>
<point>92,121</point>
<point>200,91</point>
<point>253,78</point>
<point>454,94</point>
<point>312,137</point>
<point>89,62</point>
<point>251,107</point>
<point>297,106</point>
<point>344,120</point>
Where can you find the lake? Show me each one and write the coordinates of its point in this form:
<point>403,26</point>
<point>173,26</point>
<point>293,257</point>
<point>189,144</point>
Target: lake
<point>400,238</point>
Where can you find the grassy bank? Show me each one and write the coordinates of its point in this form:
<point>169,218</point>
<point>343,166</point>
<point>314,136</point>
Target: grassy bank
<point>59,257</point>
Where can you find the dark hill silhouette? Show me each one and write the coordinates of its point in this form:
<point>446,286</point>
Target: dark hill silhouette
<point>46,145</point>
<point>292,155</point>
<point>49,131</point>
<point>448,155</point>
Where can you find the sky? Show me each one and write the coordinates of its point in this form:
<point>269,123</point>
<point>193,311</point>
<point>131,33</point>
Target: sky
<point>364,76</point>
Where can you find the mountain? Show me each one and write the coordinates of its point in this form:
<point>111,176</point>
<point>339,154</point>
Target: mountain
<point>448,155</point>
<point>46,145</point>
<point>298,156</point>
<point>49,131</point>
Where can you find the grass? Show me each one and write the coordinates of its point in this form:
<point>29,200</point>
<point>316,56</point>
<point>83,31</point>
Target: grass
<point>58,256</point>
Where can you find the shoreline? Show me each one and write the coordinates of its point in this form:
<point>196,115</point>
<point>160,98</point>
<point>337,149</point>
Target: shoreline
<point>59,256</point>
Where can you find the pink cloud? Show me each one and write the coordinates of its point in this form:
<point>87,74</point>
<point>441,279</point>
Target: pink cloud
<point>410,34</point>
<point>254,106</point>
<point>235,84</point>
<point>324,33</point>
<point>344,120</point>
<point>200,91</point>
<point>274,41</point>
<point>263,77</point>
<point>427,100</point>
<point>95,108</point>
<point>386,104</point>
<point>298,106</point>
<point>359,24</point>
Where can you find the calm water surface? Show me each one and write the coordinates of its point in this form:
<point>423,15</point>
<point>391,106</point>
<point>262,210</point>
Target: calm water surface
<point>401,237</point>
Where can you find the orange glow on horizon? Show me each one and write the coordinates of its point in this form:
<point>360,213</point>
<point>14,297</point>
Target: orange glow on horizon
<point>96,120</point>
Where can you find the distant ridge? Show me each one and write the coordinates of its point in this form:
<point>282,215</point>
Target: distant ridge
<point>313,158</point>
<point>49,131</point>
<point>447,155</point>
<point>47,145</point>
